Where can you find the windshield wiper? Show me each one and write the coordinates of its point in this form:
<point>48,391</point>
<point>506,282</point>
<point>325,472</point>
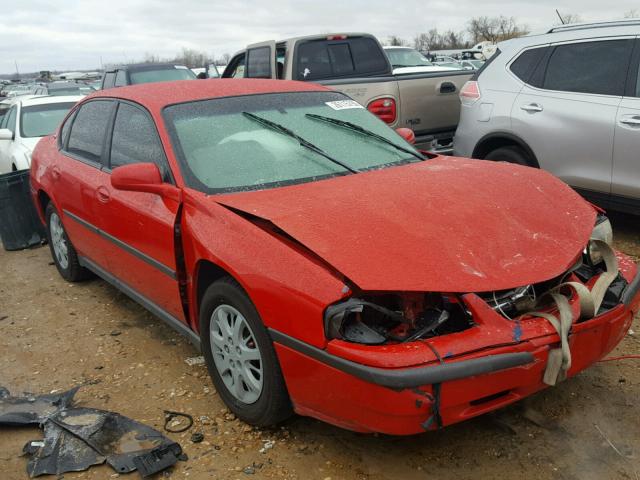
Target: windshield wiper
<point>364,131</point>
<point>303,143</point>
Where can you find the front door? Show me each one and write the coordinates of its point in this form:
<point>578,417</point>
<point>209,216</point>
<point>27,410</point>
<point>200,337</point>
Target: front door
<point>141,225</point>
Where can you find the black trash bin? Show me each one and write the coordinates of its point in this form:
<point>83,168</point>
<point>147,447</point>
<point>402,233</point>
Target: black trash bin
<point>20,226</point>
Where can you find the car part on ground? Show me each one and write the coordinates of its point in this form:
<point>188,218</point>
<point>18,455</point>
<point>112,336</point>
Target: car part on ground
<point>77,438</point>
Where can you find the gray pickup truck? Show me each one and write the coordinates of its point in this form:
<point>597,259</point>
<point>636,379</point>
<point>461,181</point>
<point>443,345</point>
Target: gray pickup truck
<point>355,64</point>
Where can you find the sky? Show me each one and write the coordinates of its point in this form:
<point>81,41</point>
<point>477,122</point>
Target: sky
<point>83,34</point>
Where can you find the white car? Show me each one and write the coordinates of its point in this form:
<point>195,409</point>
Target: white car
<point>405,60</point>
<point>28,120</point>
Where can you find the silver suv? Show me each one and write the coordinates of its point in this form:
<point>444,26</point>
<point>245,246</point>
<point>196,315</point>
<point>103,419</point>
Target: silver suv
<point>567,101</point>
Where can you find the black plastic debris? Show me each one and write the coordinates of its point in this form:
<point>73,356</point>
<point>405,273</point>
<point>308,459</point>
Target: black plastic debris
<point>31,409</point>
<point>77,438</point>
<point>59,452</point>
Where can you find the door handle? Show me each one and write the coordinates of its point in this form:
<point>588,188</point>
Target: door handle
<point>55,173</point>
<point>633,120</point>
<point>103,194</point>
<point>532,108</point>
<point>447,87</point>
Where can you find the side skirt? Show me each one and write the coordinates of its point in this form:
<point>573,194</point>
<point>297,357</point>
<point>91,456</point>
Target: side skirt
<point>169,319</point>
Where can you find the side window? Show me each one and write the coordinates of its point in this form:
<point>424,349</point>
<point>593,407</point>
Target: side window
<point>523,66</point>
<point>88,131</point>
<point>236,68</point>
<point>135,140</point>
<point>109,80</point>
<point>121,78</point>
<point>589,67</point>
<point>10,119</point>
<point>64,132</point>
<point>259,62</point>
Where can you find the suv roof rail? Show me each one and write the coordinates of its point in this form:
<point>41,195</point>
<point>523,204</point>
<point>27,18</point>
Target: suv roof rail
<point>586,26</point>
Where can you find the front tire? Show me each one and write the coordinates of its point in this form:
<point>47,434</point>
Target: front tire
<point>64,254</point>
<point>510,154</point>
<point>240,356</point>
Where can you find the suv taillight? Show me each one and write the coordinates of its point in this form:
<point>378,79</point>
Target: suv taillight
<point>384,109</point>
<point>470,92</point>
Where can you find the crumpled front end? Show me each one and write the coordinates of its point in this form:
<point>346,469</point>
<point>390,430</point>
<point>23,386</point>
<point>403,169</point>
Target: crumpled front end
<point>408,362</point>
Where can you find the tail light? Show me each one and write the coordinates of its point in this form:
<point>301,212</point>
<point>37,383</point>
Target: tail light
<point>337,37</point>
<point>384,109</point>
<point>470,92</point>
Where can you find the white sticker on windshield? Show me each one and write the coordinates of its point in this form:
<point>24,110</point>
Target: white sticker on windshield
<point>181,67</point>
<point>343,104</point>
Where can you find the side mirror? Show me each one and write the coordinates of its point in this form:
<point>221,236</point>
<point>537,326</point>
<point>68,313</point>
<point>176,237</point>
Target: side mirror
<point>6,134</point>
<point>407,134</point>
<point>142,177</point>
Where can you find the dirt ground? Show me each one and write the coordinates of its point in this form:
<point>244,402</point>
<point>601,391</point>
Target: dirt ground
<point>55,335</point>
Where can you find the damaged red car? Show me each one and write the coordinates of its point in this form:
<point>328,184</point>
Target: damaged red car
<point>322,264</point>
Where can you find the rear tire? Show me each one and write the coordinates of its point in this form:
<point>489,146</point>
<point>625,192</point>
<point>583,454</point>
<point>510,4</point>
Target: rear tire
<point>243,363</point>
<point>64,254</point>
<point>510,154</point>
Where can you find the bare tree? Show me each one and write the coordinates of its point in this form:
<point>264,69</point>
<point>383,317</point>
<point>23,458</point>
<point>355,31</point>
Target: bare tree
<point>495,29</point>
<point>421,42</point>
<point>193,58</point>
<point>633,13</point>
<point>570,18</point>
<point>225,59</point>
<point>396,41</point>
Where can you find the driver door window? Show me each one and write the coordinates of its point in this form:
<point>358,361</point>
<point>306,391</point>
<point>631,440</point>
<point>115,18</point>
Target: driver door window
<point>135,140</point>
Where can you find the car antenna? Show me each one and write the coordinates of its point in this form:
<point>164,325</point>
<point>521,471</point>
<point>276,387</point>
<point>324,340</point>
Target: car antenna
<point>560,17</point>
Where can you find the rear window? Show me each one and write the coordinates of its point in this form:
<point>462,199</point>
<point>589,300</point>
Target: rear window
<point>323,59</point>
<point>89,128</point>
<point>589,67</point>
<point>525,64</point>
<point>42,120</point>
<point>259,62</point>
<point>161,75</point>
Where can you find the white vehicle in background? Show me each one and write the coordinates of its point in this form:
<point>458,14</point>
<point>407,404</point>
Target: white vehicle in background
<point>28,120</point>
<point>406,60</point>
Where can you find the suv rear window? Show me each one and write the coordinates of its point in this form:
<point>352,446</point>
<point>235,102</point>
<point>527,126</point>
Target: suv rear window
<point>589,67</point>
<point>524,65</point>
<point>318,59</point>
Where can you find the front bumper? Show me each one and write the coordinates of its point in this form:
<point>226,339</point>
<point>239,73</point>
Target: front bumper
<point>368,389</point>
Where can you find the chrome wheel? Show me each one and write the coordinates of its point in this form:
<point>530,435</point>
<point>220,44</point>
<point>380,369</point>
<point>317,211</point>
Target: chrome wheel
<point>236,354</point>
<point>58,242</point>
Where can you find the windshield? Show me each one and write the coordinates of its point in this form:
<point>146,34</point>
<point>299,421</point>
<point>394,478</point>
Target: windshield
<point>161,75</point>
<point>223,147</point>
<point>406,57</point>
<point>42,120</point>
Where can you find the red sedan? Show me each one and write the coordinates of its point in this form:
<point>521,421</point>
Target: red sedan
<point>321,263</point>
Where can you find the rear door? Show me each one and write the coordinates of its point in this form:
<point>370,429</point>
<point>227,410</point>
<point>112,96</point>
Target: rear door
<point>566,113</point>
<point>261,60</point>
<point>140,225</point>
<point>625,185</point>
<point>77,176</point>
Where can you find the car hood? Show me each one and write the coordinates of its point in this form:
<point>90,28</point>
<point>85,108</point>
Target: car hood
<point>446,224</point>
<point>29,143</point>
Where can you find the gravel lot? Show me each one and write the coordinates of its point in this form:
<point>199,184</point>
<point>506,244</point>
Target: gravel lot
<point>55,335</point>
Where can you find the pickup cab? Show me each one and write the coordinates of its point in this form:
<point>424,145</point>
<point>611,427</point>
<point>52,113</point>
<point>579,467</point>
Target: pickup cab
<point>356,64</point>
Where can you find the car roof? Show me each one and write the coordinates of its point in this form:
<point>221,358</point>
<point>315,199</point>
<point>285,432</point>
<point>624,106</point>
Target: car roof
<point>389,47</point>
<point>44,100</point>
<point>158,95</point>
